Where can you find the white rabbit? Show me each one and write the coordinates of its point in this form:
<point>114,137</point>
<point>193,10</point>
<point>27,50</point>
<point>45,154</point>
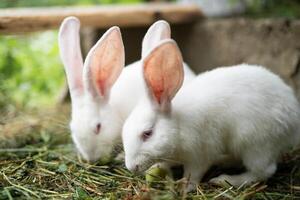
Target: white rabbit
<point>102,97</point>
<point>242,112</point>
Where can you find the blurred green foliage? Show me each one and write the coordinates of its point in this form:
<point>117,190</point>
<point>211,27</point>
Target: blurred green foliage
<point>30,70</point>
<point>31,73</point>
<point>274,8</point>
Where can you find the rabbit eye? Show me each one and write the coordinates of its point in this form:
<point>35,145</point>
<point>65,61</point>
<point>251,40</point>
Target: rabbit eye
<point>97,130</point>
<point>146,135</point>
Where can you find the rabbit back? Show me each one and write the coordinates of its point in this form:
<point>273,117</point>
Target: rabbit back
<point>241,107</point>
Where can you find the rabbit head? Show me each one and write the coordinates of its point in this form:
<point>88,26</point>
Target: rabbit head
<point>150,132</point>
<point>94,123</point>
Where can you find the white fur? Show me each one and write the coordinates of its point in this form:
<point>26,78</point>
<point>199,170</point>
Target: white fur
<point>243,112</point>
<point>111,110</point>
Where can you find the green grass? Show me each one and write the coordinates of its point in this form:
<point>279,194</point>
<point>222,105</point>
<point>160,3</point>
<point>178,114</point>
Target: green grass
<point>274,9</point>
<point>38,161</point>
<point>31,71</point>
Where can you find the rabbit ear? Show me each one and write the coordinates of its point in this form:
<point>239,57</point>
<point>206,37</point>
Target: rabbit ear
<point>158,31</point>
<point>70,53</point>
<point>104,63</point>
<point>163,73</point>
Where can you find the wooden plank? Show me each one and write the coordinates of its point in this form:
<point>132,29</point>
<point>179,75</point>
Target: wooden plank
<point>35,19</point>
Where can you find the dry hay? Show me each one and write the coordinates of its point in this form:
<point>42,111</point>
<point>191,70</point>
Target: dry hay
<point>43,165</point>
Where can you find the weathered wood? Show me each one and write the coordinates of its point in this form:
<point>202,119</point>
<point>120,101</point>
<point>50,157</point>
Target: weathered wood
<point>273,43</point>
<point>34,19</point>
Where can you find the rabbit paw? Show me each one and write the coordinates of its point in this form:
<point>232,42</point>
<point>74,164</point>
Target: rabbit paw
<point>222,180</point>
<point>191,187</point>
<point>234,180</point>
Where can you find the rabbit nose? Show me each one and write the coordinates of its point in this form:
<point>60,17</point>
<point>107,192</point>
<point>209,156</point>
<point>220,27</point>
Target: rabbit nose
<point>136,168</point>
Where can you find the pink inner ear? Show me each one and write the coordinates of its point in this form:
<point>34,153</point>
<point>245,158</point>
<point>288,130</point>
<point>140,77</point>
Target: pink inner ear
<point>158,92</point>
<point>163,72</point>
<point>101,85</point>
<point>107,62</point>
<point>155,81</point>
<point>101,69</point>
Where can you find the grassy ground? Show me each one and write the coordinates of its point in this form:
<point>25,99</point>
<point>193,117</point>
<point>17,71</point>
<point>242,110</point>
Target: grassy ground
<point>38,161</point>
